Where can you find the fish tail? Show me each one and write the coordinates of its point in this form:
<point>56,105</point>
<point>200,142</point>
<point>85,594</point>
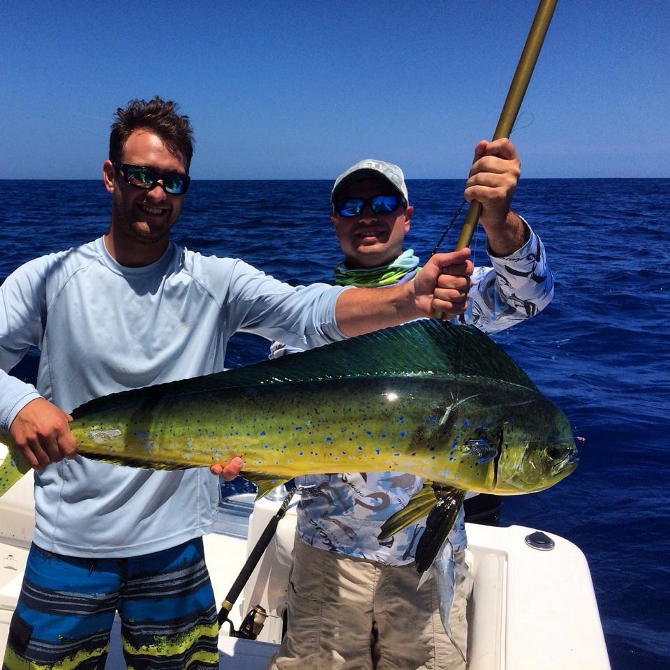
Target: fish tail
<point>13,466</point>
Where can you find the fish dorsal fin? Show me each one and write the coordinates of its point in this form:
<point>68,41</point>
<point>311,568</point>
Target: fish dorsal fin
<point>422,348</point>
<point>426,347</point>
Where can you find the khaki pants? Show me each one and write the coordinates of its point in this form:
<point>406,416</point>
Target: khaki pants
<point>351,614</point>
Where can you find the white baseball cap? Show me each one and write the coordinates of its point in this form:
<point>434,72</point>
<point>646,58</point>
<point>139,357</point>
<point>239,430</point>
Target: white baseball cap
<point>371,168</point>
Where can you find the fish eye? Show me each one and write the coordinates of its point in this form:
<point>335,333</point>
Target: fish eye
<point>553,452</point>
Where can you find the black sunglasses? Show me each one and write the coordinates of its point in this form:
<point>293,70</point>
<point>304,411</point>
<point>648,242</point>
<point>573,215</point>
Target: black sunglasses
<point>380,204</point>
<point>146,178</point>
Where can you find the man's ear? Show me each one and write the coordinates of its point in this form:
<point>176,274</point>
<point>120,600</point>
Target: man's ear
<point>409,210</point>
<point>108,175</point>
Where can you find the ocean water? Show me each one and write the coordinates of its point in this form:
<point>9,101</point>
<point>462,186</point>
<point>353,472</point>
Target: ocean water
<point>601,350</point>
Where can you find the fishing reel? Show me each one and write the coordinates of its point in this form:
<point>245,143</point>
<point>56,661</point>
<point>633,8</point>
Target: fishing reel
<point>252,624</point>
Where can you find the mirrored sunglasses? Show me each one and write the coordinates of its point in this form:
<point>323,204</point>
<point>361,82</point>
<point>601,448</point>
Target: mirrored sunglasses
<point>146,178</point>
<point>379,204</point>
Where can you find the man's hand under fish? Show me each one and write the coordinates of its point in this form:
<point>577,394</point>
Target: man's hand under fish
<point>230,470</point>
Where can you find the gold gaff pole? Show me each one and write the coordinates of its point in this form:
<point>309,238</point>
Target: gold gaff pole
<point>517,90</point>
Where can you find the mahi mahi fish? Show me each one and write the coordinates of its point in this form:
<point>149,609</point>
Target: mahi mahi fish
<point>429,398</point>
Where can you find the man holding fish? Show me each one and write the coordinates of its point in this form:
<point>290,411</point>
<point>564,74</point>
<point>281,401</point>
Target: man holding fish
<point>356,600</point>
<point>132,309</point>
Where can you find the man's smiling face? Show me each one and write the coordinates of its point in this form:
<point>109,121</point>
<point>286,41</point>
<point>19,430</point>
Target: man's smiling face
<point>142,219</point>
<point>371,239</point>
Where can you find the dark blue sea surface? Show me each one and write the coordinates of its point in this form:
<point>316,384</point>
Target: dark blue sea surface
<point>601,350</point>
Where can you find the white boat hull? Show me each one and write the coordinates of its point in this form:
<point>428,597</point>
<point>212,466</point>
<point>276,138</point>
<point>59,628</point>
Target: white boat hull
<point>530,608</point>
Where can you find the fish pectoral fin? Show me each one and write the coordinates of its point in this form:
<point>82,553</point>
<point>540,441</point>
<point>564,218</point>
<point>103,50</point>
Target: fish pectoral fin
<point>265,482</point>
<point>418,506</point>
<point>478,449</point>
<point>439,523</point>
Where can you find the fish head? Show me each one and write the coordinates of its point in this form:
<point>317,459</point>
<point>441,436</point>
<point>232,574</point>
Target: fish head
<point>506,441</point>
<point>537,449</point>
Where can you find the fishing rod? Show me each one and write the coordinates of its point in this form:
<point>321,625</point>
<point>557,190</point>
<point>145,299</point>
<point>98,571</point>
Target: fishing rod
<point>254,620</point>
<point>508,115</point>
<point>515,95</point>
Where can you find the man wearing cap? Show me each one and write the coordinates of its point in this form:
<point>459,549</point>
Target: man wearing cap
<point>354,602</point>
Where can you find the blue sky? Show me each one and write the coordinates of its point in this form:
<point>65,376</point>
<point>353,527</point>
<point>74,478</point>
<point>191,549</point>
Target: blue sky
<point>300,90</point>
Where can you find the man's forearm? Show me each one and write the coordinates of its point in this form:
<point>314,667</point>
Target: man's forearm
<point>363,310</point>
<point>505,240</point>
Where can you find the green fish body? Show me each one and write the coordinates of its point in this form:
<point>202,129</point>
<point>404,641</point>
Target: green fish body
<point>428,398</point>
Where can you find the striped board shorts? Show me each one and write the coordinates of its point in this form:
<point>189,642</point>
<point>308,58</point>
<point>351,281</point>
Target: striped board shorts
<point>67,605</point>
